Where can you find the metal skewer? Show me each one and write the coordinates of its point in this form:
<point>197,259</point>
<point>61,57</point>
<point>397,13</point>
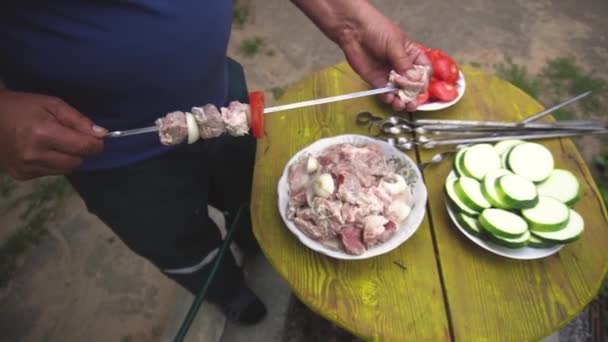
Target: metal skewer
<point>425,142</point>
<point>388,89</point>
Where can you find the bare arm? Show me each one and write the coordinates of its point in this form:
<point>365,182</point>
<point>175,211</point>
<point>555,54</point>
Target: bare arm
<point>372,43</point>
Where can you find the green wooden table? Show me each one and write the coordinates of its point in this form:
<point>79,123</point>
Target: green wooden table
<point>451,289</point>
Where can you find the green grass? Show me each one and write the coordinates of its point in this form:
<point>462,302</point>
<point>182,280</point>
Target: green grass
<point>565,78</point>
<point>518,75</point>
<point>277,92</point>
<point>251,46</point>
<point>40,206</point>
<point>240,15</point>
<point>559,79</point>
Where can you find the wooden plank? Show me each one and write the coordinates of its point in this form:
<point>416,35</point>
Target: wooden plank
<point>499,299</point>
<point>374,298</point>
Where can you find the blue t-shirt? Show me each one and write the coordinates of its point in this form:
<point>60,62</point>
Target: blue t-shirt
<point>122,63</point>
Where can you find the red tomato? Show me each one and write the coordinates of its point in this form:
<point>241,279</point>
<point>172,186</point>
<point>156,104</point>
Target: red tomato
<point>256,106</point>
<point>445,69</point>
<point>423,98</point>
<point>442,91</point>
<point>433,54</point>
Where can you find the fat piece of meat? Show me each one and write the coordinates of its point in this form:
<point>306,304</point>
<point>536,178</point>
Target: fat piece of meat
<point>209,120</point>
<point>373,227</point>
<point>298,179</point>
<point>172,128</point>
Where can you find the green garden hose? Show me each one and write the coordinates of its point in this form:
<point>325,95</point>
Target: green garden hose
<point>200,297</point>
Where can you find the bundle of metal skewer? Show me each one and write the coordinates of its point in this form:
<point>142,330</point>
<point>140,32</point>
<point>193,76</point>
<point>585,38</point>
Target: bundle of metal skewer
<point>430,133</point>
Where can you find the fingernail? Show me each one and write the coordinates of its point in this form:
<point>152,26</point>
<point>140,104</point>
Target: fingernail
<point>99,130</point>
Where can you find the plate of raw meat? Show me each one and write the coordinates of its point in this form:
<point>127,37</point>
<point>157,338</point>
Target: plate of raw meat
<point>351,197</point>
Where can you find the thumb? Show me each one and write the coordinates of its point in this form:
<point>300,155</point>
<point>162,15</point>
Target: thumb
<point>68,116</point>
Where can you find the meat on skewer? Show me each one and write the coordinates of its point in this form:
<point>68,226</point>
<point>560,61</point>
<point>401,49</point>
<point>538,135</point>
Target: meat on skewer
<point>204,123</point>
<point>238,118</point>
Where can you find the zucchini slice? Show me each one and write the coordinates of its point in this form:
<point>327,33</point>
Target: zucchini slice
<point>536,242</point>
<point>488,187</point>
<point>549,215</point>
<point>502,147</point>
<point>561,185</point>
<point>479,159</point>
<point>502,223</point>
<point>571,232</point>
<point>470,224</point>
<point>531,160</point>
<point>469,192</point>
<point>455,201</point>
<point>516,192</point>
<point>458,161</point>
<point>518,242</point>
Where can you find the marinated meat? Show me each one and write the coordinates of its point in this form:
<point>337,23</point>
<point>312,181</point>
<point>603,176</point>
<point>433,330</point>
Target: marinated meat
<point>235,118</point>
<point>351,240</point>
<point>372,229</point>
<point>412,83</point>
<point>172,128</point>
<point>298,179</point>
<point>209,120</point>
<point>367,203</point>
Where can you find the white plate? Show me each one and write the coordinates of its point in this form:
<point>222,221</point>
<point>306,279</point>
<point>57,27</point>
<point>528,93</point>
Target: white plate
<point>404,231</point>
<point>431,106</point>
<point>525,253</point>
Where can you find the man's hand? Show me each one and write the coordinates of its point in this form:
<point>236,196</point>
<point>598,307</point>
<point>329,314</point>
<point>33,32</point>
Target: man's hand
<point>372,44</point>
<point>42,135</point>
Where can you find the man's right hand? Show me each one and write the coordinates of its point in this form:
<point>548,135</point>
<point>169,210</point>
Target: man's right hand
<point>42,135</point>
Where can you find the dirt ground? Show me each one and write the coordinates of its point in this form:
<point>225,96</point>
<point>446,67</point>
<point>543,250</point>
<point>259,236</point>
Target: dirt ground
<point>81,283</point>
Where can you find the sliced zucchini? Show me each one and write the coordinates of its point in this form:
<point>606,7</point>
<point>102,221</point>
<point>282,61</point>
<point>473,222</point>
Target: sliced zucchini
<point>504,146</point>
<point>518,242</point>
<point>488,187</point>
<point>536,242</point>
<point>502,223</point>
<point>561,185</point>
<point>571,232</point>
<point>479,159</point>
<point>470,224</point>
<point>469,192</point>
<point>549,215</point>
<point>503,160</point>
<point>454,201</point>
<point>458,160</point>
<point>516,191</point>
<point>531,160</point>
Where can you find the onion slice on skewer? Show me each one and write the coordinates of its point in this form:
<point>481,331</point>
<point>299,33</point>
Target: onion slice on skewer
<point>193,133</point>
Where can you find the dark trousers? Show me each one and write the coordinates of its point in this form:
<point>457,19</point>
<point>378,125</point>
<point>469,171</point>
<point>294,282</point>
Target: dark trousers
<point>158,207</point>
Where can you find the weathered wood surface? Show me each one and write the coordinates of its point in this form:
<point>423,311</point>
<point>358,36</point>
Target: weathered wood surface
<point>488,297</point>
<point>498,299</point>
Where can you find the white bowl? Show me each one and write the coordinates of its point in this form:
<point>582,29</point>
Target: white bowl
<point>525,253</point>
<point>404,231</point>
<point>432,106</point>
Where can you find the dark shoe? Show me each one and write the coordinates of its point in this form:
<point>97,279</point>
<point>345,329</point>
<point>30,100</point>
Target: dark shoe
<point>243,307</point>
